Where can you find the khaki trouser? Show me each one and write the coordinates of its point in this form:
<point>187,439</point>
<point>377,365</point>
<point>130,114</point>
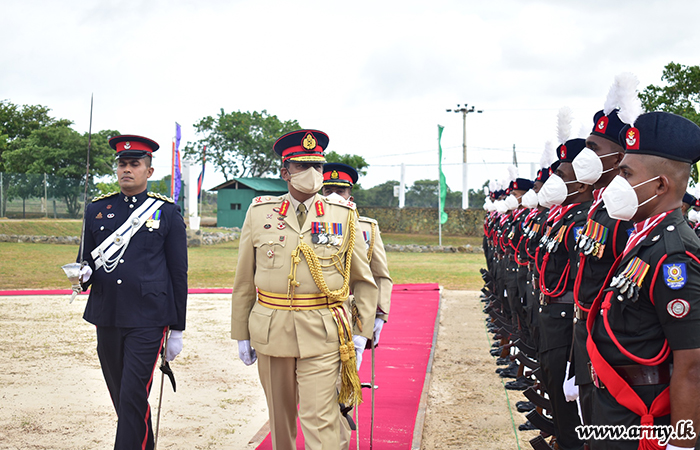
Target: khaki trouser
<point>310,383</point>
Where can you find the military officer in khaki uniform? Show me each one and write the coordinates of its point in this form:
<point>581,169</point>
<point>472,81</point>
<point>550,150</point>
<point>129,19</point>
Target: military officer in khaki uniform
<point>299,257</point>
<point>338,180</point>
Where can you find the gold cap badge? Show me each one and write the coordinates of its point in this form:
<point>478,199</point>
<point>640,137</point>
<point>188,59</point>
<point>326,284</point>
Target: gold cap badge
<point>309,142</point>
<point>127,145</point>
<point>334,175</point>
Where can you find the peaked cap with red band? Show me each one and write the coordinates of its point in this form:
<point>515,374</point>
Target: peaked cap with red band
<point>302,146</point>
<point>664,134</point>
<point>131,146</point>
<point>337,174</point>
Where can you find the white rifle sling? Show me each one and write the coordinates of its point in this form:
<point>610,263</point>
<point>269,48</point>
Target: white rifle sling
<point>110,251</point>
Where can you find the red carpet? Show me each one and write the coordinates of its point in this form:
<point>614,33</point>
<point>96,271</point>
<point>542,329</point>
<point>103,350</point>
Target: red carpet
<point>402,361</point>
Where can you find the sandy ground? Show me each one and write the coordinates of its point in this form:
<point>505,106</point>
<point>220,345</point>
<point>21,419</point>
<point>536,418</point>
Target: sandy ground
<point>54,397</point>
<point>468,406</point>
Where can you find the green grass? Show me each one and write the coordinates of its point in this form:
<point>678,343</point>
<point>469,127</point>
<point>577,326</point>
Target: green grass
<point>38,266</point>
<point>429,239</point>
<point>41,227</point>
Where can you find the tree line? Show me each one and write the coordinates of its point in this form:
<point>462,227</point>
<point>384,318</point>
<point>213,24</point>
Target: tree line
<point>236,144</point>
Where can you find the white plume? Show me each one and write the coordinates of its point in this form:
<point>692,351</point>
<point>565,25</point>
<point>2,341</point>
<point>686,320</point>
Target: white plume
<point>564,119</point>
<point>611,102</point>
<point>548,155</point>
<point>696,192</point>
<point>627,98</point>
<point>512,173</point>
<point>492,185</point>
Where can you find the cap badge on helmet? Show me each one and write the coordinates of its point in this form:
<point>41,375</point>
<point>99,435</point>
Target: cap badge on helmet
<point>309,142</point>
<point>127,145</point>
<point>562,153</point>
<point>632,139</point>
<point>515,185</point>
<point>334,175</point>
<point>602,124</point>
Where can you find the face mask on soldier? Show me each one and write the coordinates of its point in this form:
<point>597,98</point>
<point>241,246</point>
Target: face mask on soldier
<point>621,200</point>
<point>512,202</point>
<point>529,200</point>
<point>309,181</point>
<point>554,191</point>
<point>588,166</point>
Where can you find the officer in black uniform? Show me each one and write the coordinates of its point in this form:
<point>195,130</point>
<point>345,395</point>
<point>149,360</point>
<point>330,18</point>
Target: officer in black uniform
<point>644,341</point>
<point>558,269</point>
<point>135,245</point>
<point>603,239</point>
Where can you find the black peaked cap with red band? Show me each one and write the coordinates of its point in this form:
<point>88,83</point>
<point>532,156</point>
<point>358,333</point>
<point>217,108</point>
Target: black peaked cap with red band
<point>338,174</point>
<point>663,134</point>
<point>302,146</point>
<point>132,146</point>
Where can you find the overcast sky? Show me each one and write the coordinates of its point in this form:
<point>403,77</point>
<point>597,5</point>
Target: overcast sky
<point>377,76</point>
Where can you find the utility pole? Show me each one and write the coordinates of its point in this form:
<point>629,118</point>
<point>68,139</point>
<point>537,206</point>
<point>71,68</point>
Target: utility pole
<point>464,110</point>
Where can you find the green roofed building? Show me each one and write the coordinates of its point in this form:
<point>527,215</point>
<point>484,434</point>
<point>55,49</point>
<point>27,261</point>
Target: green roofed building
<point>234,197</point>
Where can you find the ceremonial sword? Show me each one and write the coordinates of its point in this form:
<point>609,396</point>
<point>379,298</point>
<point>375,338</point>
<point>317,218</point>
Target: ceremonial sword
<point>165,370</point>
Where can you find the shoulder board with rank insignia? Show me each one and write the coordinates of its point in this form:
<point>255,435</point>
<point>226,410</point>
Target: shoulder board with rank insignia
<point>103,196</point>
<point>367,219</point>
<point>319,208</point>
<point>161,197</point>
<point>265,199</point>
<point>342,202</point>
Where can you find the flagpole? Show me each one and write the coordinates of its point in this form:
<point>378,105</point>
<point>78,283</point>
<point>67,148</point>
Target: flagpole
<point>439,214</point>
<point>172,172</point>
<point>201,182</point>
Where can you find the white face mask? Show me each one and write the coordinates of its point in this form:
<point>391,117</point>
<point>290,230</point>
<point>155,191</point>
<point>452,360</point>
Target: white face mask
<point>335,196</point>
<point>501,206</point>
<point>553,191</point>
<point>309,181</point>
<point>693,216</point>
<point>588,166</point>
<point>512,202</point>
<point>621,200</point>
<point>529,200</point>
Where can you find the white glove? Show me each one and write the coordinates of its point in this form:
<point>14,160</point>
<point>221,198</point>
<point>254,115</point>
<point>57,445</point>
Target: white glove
<point>246,352</point>
<point>174,345</point>
<point>570,387</point>
<point>85,273</point>
<point>378,325</point>
<point>360,343</point>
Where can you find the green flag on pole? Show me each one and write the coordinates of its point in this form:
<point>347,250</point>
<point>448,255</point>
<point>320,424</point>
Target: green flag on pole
<point>443,183</point>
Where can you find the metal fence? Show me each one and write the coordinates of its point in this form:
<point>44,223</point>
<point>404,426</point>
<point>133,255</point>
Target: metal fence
<point>33,196</point>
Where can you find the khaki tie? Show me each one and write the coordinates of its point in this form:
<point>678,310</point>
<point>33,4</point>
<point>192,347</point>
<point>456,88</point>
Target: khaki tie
<point>301,214</point>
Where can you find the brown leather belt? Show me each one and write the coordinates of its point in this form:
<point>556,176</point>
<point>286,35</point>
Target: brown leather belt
<point>638,375</point>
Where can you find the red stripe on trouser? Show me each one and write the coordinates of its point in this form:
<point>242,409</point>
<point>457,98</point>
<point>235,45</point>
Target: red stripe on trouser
<point>148,390</point>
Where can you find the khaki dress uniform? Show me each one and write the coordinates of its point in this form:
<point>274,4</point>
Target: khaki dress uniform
<point>376,254</point>
<point>282,309</point>
<point>378,264</point>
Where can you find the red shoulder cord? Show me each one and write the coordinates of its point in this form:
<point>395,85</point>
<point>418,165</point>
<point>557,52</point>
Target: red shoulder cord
<point>619,388</point>
<point>517,258</point>
<point>559,290</point>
